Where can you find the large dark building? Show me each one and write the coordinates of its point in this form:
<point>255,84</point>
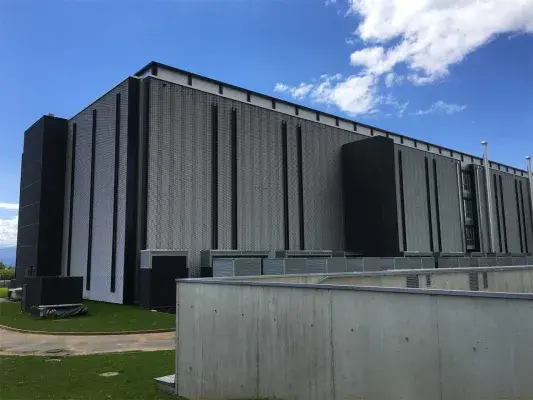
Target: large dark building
<point>171,160</point>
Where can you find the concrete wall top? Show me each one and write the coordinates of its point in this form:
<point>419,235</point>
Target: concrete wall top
<point>181,77</point>
<point>291,277</point>
<point>326,287</point>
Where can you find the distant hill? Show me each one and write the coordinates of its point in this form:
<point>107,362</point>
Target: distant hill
<point>8,255</point>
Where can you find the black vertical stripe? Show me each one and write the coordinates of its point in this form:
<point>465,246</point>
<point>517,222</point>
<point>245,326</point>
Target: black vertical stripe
<point>428,196</point>
<point>214,176</point>
<point>402,199</point>
<point>498,212</point>
<point>91,206</point>
<point>145,155</point>
<point>519,216</point>
<point>234,231</point>
<point>285,184</point>
<point>115,195</point>
<point>437,205</point>
<point>530,203</point>
<point>132,199</point>
<point>503,216</point>
<point>71,200</point>
<point>300,186</point>
<point>524,224</point>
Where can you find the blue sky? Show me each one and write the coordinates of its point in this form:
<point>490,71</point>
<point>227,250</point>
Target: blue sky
<point>453,72</point>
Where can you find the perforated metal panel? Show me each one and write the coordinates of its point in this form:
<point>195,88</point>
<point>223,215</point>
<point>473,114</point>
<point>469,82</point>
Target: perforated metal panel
<point>354,264</point>
<point>427,262</point>
<point>415,200</point>
<point>401,263</point>
<point>179,169</point>
<point>260,180</point>
<point>273,266</point>
<point>80,220</point>
<point>336,264</point>
<point>386,263</point>
<point>449,208</point>
<point>322,185</point>
<point>511,214</point>
<point>102,239</point>
<point>295,266</point>
<point>247,266</point>
<point>371,264</point>
<point>223,268</point>
<point>482,210</point>
<point>316,265</point>
<point>448,262</point>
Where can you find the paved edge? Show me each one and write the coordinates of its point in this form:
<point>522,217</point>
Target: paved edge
<point>62,355</point>
<point>9,328</point>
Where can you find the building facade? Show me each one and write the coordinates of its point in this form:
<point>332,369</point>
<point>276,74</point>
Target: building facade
<point>172,160</point>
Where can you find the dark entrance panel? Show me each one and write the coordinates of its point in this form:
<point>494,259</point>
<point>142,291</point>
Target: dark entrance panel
<point>369,189</point>
<point>158,274</point>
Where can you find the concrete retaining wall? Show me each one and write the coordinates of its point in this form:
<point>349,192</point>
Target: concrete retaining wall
<point>490,279</point>
<point>316,342</point>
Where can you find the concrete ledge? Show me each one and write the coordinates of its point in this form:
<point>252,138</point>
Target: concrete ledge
<point>378,289</point>
<point>410,271</point>
<point>9,328</point>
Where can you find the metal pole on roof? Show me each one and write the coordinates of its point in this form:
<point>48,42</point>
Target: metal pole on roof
<point>530,176</point>
<point>489,195</point>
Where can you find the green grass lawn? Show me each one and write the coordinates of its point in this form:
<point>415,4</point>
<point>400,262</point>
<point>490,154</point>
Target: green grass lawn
<point>102,317</point>
<point>78,377</point>
<point>3,292</point>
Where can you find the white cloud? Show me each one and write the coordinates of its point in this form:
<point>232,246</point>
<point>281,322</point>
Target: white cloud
<point>441,106</point>
<point>9,206</point>
<point>280,87</point>
<point>301,91</point>
<point>8,231</point>
<point>425,37</point>
<point>430,36</point>
<point>354,95</point>
<point>400,107</point>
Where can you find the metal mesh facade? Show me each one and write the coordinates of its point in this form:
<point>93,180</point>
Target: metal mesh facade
<point>104,163</point>
<point>180,182</point>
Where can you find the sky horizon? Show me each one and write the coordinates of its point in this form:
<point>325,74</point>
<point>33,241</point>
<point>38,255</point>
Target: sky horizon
<point>432,70</point>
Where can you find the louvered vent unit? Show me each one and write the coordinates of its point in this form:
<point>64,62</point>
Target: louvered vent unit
<point>228,267</point>
<point>473,281</point>
<point>412,281</point>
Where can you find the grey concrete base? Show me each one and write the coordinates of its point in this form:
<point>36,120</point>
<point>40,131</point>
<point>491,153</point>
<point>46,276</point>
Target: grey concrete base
<point>245,340</point>
<point>165,383</point>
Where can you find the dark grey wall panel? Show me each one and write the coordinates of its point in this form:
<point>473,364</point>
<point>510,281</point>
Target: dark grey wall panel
<point>510,213</point>
<point>399,210</point>
<point>449,208</point>
<point>415,198</point>
<point>66,202</point>
<point>322,185</point>
<point>179,168</point>
<point>482,209</point>
<point>498,227</point>
<point>526,199</point>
